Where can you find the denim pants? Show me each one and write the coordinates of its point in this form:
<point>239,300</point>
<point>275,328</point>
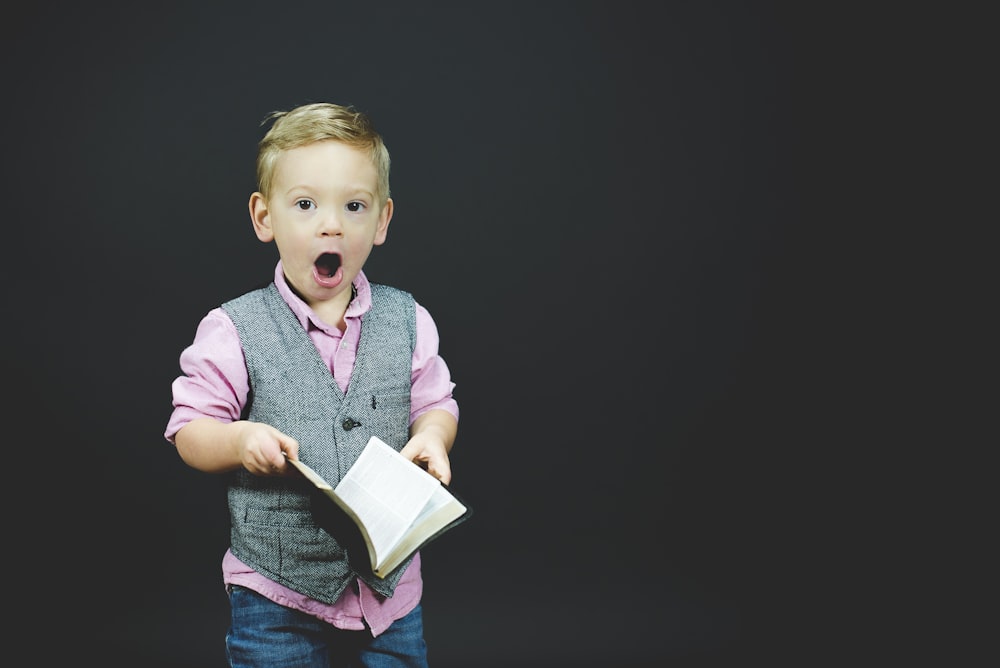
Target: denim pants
<point>264,633</point>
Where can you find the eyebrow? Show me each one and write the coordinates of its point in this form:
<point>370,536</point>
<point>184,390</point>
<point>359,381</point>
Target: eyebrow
<point>349,190</point>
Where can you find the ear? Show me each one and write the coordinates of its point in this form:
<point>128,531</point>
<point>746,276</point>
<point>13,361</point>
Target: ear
<point>259,217</point>
<point>383,222</point>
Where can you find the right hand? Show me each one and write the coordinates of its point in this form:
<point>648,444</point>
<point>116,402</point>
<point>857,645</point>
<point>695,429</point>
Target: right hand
<point>262,449</point>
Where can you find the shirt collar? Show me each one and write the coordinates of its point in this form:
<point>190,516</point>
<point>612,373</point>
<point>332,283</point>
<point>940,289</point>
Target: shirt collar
<point>359,305</point>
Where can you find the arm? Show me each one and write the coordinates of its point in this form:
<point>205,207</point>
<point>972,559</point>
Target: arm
<point>433,430</point>
<point>431,437</point>
<point>209,397</point>
<point>215,447</point>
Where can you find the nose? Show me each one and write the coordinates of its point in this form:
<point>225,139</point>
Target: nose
<point>329,226</point>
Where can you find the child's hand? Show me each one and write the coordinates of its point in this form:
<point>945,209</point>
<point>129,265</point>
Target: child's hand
<point>262,449</point>
<point>427,450</point>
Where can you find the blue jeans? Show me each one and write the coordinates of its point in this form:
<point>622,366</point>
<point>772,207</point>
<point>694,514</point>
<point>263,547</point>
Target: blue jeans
<point>266,634</point>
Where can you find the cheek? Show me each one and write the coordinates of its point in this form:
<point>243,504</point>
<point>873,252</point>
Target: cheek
<point>360,247</point>
<point>293,235</point>
<point>291,244</point>
<point>358,250</point>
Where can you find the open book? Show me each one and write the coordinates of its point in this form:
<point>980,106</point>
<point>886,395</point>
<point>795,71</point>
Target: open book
<point>398,506</point>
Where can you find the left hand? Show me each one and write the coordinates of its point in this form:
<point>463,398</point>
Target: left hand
<point>428,451</point>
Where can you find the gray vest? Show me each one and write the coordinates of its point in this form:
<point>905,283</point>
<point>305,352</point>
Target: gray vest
<point>280,526</point>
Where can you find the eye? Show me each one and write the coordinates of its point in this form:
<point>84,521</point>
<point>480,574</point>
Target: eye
<point>304,204</point>
<point>354,207</point>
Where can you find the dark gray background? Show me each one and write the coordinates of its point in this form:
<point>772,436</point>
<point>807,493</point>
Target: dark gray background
<point>604,205</point>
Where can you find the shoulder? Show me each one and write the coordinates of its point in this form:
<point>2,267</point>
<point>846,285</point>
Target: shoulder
<point>388,291</point>
<point>388,297</point>
<point>215,324</point>
<point>250,299</point>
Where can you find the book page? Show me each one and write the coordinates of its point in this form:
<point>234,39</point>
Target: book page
<point>387,492</point>
<point>442,508</point>
<point>310,475</point>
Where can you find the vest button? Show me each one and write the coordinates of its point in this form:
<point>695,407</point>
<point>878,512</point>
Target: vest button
<point>349,424</point>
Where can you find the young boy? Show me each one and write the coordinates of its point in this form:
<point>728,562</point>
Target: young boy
<point>310,367</point>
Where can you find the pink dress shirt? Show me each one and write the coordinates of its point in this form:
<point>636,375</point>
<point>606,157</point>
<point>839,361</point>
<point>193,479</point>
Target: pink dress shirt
<point>215,384</point>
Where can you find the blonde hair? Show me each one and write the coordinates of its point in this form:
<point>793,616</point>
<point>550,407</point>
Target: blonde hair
<point>320,121</point>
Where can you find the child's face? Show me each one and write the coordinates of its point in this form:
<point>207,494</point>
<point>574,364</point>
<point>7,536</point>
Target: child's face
<point>323,217</point>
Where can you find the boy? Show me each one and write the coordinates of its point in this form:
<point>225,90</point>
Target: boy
<point>311,366</point>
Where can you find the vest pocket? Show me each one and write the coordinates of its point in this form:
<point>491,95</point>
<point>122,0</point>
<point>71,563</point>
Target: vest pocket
<point>389,417</point>
<point>286,541</point>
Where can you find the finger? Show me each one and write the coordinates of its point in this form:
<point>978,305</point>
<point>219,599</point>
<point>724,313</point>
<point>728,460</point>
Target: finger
<point>440,469</point>
<point>289,448</point>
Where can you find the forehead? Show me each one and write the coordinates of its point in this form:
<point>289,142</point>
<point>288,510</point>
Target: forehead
<point>325,162</point>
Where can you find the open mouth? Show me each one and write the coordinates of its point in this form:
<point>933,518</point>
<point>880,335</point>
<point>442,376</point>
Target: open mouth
<point>327,265</point>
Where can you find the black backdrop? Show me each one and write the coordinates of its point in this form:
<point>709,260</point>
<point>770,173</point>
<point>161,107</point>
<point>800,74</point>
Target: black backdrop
<point>599,202</point>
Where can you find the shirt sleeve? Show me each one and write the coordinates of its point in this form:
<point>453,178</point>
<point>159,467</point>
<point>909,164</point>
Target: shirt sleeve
<point>213,381</point>
<point>431,385</point>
